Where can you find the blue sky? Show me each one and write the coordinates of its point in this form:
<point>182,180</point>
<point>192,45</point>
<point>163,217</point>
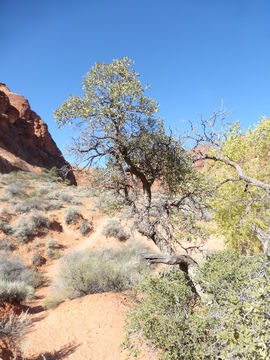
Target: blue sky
<point>193,53</point>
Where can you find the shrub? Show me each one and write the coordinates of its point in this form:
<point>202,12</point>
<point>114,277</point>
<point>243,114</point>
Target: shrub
<point>40,221</point>
<point>38,259</point>
<point>13,190</point>
<point>13,269</point>
<point>234,324</point>
<point>15,292</point>
<point>109,203</point>
<point>6,244</point>
<point>52,248</point>
<point>72,216</point>
<point>53,301</point>
<point>85,227</point>
<point>6,228</point>
<point>13,327</point>
<point>29,205</point>
<point>54,205</point>
<point>101,271</point>
<point>113,228</point>
<point>65,197</point>
<point>5,215</point>
<point>28,227</point>
<point>52,244</point>
<point>36,204</point>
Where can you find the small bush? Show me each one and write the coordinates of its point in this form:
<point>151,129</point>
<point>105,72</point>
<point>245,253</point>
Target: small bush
<point>13,269</point>
<point>114,229</point>
<point>13,190</point>
<point>52,248</point>
<point>65,197</point>
<point>72,216</point>
<point>38,259</point>
<point>26,227</point>
<point>40,221</point>
<point>53,301</point>
<point>6,244</point>
<point>109,203</point>
<point>12,327</point>
<point>85,227</point>
<point>52,244</point>
<point>29,205</point>
<point>54,205</point>
<point>5,228</point>
<point>5,215</point>
<point>101,271</point>
<point>15,292</point>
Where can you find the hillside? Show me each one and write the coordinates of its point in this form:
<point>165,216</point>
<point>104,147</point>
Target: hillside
<point>90,327</point>
<point>25,142</point>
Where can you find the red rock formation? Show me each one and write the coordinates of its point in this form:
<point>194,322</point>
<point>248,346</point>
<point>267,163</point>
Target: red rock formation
<point>24,134</point>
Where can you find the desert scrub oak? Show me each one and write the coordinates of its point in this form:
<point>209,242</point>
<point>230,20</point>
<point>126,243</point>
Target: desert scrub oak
<point>101,271</point>
<point>233,324</point>
<point>113,228</point>
<point>72,216</point>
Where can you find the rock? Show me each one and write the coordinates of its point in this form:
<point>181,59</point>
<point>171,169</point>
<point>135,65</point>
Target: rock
<point>25,135</point>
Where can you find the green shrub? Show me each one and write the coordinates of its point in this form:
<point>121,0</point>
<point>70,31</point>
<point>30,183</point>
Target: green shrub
<point>72,216</point>
<point>101,271</point>
<point>113,228</point>
<point>234,324</point>
<point>165,317</point>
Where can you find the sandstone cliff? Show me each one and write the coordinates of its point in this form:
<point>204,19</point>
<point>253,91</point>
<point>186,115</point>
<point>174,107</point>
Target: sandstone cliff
<point>25,137</point>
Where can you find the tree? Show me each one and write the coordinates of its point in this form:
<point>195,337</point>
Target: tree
<point>119,127</point>
<point>238,164</point>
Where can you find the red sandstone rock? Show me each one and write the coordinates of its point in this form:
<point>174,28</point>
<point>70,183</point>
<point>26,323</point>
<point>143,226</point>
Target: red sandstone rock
<point>24,134</point>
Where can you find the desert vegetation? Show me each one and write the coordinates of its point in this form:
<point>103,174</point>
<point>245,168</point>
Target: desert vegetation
<point>231,199</point>
<point>102,270</point>
<point>17,281</point>
<point>145,188</point>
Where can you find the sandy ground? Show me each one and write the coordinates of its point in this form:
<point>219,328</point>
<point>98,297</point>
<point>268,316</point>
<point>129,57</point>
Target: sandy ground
<point>88,328</point>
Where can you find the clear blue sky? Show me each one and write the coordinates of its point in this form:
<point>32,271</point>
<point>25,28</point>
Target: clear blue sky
<point>193,53</point>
